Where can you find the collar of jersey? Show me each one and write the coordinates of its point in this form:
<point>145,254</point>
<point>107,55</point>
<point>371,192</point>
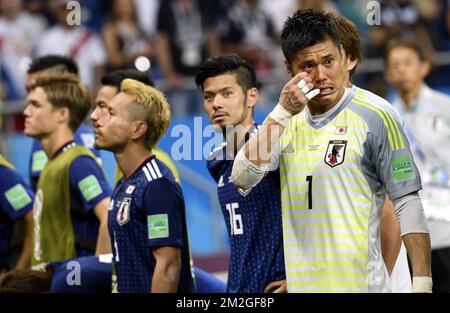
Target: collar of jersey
<point>64,148</point>
<point>141,166</point>
<point>342,103</point>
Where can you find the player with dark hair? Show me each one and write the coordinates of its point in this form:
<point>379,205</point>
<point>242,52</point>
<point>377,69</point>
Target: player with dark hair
<point>253,217</point>
<point>331,208</point>
<point>393,251</point>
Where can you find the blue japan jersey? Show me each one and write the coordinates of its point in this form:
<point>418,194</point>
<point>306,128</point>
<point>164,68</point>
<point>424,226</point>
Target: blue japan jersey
<point>254,223</point>
<point>146,212</point>
<point>16,200</point>
<point>84,136</point>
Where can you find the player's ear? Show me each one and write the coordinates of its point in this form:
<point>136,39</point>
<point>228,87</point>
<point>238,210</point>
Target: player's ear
<point>252,97</point>
<point>425,68</point>
<point>64,115</point>
<point>288,68</point>
<point>351,64</point>
<point>139,129</point>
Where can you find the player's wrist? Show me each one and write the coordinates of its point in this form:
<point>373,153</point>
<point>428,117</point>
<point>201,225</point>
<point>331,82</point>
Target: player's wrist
<point>422,284</point>
<point>280,115</point>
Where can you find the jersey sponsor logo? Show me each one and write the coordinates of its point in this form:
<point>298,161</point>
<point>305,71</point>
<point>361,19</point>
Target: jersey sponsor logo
<point>17,197</point>
<point>402,168</point>
<point>243,192</point>
<point>90,187</point>
<point>158,226</point>
<point>130,189</point>
<point>335,154</point>
<point>341,130</point>
<point>123,215</point>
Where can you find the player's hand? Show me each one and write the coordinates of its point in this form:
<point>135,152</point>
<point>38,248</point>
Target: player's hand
<point>297,93</point>
<point>279,286</point>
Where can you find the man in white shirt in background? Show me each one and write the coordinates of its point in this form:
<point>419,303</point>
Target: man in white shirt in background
<point>427,118</point>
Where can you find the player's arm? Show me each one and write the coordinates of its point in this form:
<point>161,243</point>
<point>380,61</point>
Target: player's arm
<point>16,200</point>
<point>259,154</point>
<point>167,269</point>
<point>103,240</point>
<point>163,204</point>
<point>88,180</point>
<point>25,255</point>
<point>389,235</point>
<point>415,235</point>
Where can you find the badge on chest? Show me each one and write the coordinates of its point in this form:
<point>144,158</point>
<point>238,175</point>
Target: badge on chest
<point>123,215</point>
<point>335,154</point>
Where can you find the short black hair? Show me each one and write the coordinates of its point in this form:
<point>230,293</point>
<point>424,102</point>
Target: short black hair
<point>48,61</point>
<point>307,28</point>
<point>227,64</point>
<point>115,78</point>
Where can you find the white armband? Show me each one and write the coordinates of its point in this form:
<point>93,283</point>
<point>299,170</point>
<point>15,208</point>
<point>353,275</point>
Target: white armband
<point>245,174</point>
<point>422,284</point>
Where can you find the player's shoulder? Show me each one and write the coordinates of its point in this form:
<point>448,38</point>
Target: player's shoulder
<point>155,172</point>
<point>9,177</point>
<point>374,110</point>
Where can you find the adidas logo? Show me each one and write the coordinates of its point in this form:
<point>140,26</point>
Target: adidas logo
<point>288,149</point>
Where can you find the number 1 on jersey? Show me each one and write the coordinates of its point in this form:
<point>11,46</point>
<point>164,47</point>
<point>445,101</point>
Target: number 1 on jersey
<point>236,227</point>
<point>309,180</point>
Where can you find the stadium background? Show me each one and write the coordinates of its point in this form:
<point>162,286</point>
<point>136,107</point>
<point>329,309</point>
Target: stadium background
<point>227,23</point>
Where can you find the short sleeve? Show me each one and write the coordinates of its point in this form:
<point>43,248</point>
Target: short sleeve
<point>16,197</point>
<point>393,160</point>
<point>88,182</point>
<point>164,206</point>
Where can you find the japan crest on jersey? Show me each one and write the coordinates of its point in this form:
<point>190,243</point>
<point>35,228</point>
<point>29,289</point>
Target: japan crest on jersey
<point>335,154</point>
<point>123,215</point>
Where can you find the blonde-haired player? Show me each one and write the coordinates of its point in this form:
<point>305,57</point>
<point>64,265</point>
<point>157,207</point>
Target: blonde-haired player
<point>146,220</point>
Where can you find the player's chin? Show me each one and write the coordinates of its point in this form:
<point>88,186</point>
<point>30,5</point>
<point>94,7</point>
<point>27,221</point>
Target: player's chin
<point>29,131</point>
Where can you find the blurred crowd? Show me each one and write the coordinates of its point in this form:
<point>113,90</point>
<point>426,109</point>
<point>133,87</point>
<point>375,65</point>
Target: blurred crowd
<point>170,38</point>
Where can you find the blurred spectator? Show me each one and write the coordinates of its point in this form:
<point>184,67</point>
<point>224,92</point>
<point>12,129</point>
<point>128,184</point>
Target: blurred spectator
<point>322,5</point>
<point>248,31</point>
<point>185,38</point>
<point>147,15</point>
<point>427,122</point>
<point>19,35</point>
<point>75,41</point>
<point>399,18</point>
<point>124,39</point>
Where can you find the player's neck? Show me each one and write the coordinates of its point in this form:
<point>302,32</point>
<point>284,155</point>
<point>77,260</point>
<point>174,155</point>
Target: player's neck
<point>408,96</point>
<point>235,136</point>
<point>53,142</point>
<point>131,158</point>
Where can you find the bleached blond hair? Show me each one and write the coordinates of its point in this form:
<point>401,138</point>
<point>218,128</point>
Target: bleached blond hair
<point>150,105</point>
